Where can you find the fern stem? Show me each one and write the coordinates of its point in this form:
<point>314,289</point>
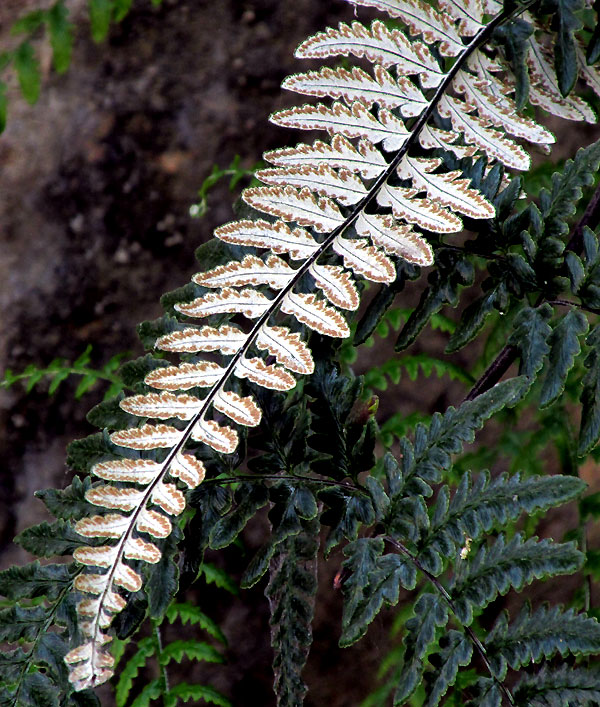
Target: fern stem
<point>590,218</point>
<point>448,599</point>
<point>494,372</point>
<point>164,678</point>
<point>277,477</point>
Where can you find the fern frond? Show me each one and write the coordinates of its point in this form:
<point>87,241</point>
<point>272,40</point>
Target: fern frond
<point>541,634</point>
<point>557,687</point>
<point>291,594</point>
<point>326,193</point>
<point>494,570</point>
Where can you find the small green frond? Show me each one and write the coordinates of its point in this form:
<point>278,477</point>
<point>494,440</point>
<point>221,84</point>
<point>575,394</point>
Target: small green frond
<point>535,636</point>
<point>198,694</point>
<point>374,579</point>
<point>530,336</point>
<point>477,508</point>
<point>192,650</point>
<point>557,687</point>
<point>35,580</point>
<point>49,539</point>
<point>431,613</point>
<point>431,452</point>
<point>455,651</point>
<point>589,431</point>
<point>217,576</point>
<point>564,348</point>
<point>505,565</point>
<point>129,672</point>
<point>558,205</point>
<point>291,593</point>
<point>189,613</point>
<point>377,376</point>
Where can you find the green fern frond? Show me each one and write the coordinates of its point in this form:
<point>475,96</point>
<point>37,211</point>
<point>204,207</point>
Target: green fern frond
<point>478,507</point>
<point>480,578</point>
<point>145,649</point>
<point>59,370</point>
<point>291,593</point>
<point>377,376</point>
<point>532,637</point>
<point>558,687</point>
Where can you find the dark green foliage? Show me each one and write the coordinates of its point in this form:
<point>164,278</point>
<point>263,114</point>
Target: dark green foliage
<point>35,580</point>
<point>538,635</point>
<point>70,502</point>
<point>430,613</point>
<point>564,348</point>
<point>455,651</point>
<point>375,578</point>
<point>453,271</point>
<point>494,570</point>
<point>291,593</point>
<point>49,539</point>
<point>512,36</point>
<point>530,336</point>
<point>559,687</point>
<point>565,59</point>
<point>590,415</point>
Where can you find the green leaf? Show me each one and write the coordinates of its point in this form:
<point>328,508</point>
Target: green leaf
<point>70,502</point>
<point>565,57</point>
<point>129,672</point>
<point>163,577</point>
<point>434,445</point>
<point>250,498</point>
<point>193,650</point>
<point>589,431</point>
<point>374,579</point>
<point>152,691</point>
<point>472,321</point>
<point>453,272</point>
<point>35,580</point>
<point>430,613</point>
<point>61,36</point>
<point>218,577</point>
<point>535,636</point>
<point>589,507</point>
<point>29,22</point>
<point>21,622</point>
<point>48,539</point>
<point>291,593</point>
<point>121,9</point>
<point>558,205</point>
<point>593,48</point>
<point>28,72</point>
<point>559,686</point>
<point>513,36</point>
<point>564,348</point>
<point>487,504</point>
<point>530,336</point>
<point>198,693</point>
<point>188,613</point>
<point>455,651</point>
<point>502,566</point>
<point>37,690</point>
<point>376,377</point>
<point>100,16</point>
